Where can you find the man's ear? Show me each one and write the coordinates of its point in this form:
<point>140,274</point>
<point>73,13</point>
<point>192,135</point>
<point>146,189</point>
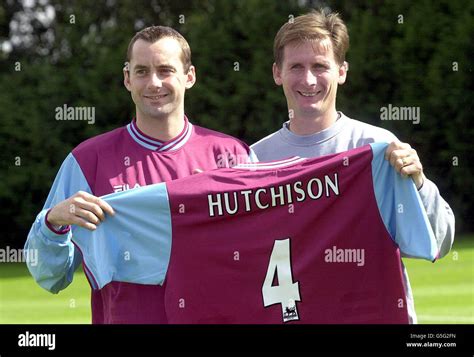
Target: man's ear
<point>277,74</point>
<point>191,77</point>
<point>343,69</point>
<point>126,77</point>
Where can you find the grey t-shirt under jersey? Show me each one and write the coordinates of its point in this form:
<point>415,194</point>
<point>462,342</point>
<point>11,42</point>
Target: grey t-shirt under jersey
<point>346,134</point>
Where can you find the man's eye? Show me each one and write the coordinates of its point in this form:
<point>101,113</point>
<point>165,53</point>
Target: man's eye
<point>141,72</point>
<point>166,70</point>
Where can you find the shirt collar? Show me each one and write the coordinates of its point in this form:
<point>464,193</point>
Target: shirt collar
<point>157,145</point>
<point>316,138</point>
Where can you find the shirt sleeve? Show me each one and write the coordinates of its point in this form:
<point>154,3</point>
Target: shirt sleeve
<point>57,258</point>
<point>252,156</point>
<point>401,209</point>
<point>440,216</point>
<point>134,245</point>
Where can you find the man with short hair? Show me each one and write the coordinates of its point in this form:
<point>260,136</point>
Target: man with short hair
<point>310,64</point>
<point>160,144</point>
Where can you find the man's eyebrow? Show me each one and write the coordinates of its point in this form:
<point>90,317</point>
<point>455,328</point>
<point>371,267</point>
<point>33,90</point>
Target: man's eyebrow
<point>161,66</point>
<point>324,63</point>
<point>327,63</point>
<point>140,66</point>
<point>293,63</point>
<point>166,66</point>
<point>318,61</point>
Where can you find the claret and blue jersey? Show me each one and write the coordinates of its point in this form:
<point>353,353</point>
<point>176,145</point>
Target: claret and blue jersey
<point>291,241</point>
<point>121,160</point>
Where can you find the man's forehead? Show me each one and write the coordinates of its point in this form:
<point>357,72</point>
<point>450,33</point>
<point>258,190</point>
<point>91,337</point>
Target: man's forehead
<point>165,51</point>
<point>309,49</point>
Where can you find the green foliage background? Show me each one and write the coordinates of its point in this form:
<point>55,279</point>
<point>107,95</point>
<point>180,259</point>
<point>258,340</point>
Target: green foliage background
<point>402,52</point>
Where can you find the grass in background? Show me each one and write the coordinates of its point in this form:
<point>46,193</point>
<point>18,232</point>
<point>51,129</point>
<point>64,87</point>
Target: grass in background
<point>22,301</point>
<point>443,291</point>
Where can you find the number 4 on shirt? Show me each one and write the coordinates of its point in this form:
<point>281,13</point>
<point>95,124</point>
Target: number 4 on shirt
<point>286,292</point>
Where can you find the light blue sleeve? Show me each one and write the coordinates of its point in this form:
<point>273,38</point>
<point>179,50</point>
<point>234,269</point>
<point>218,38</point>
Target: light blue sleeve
<point>132,246</point>
<point>57,258</point>
<point>401,208</point>
<point>252,156</point>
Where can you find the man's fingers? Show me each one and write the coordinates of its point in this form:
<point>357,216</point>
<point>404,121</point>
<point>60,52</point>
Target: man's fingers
<point>413,168</point>
<point>78,221</point>
<point>397,156</point>
<point>86,196</point>
<point>98,201</point>
<point>395,145</point>
<point>83,209</point>
<point>87,216</point>
<point>92,207</point>
<point>403,161</point>
<point>407,170</point>
<point>106,207</point>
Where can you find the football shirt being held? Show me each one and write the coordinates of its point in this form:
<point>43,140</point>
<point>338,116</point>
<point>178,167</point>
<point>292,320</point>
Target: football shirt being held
<point>300,240</point>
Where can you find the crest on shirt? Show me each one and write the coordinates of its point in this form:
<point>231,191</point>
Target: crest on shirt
<point>290,313</point>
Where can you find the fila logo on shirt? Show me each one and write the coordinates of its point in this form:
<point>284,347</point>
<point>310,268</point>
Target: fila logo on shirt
<point>124,187</point>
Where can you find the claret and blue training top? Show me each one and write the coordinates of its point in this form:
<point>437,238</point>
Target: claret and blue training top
<point>121,160</point>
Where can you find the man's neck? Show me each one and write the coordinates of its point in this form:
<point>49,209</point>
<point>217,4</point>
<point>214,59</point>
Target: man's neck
<point>307,126</point>
<point>162,129</point>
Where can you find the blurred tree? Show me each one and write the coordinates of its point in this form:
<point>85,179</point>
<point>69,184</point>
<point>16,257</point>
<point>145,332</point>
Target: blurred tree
<point>232,45</point>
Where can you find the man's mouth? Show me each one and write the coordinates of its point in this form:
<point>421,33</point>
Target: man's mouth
<point>155,97</point>
<point>309,94</point>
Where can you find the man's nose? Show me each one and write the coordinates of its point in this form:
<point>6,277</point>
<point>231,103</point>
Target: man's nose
<point>309,78</point>
<point>155,80</point>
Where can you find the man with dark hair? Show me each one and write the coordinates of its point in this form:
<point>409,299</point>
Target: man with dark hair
<point>309,55</point>
<point>160,144</point>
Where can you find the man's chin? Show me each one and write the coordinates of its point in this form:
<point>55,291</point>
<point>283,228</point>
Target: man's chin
<point>158,113</point>
<point>158,116</point>
<point>311,111</point>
